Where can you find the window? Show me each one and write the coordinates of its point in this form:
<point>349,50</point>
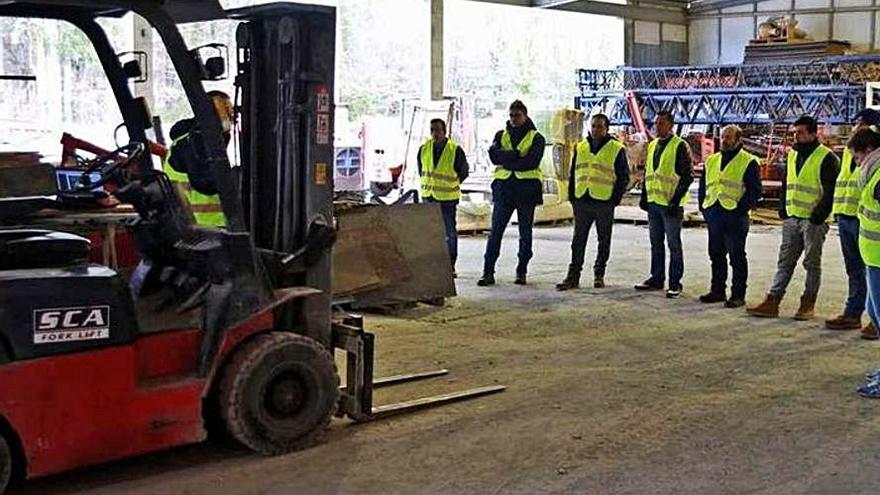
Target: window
<point>348,162</point>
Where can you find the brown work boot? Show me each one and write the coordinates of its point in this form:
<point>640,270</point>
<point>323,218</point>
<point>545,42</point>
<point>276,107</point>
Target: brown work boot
<point>570,282</point>
<point>805,311</point>
<point>769,307</point>
<point>844,322</point>
<point>869,332</point>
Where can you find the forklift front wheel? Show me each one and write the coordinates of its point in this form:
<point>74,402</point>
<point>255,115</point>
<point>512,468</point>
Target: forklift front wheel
<point>278,392</point>
<point>5,464</point>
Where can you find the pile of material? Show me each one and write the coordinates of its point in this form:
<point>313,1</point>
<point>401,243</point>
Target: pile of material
<point>762,52</point>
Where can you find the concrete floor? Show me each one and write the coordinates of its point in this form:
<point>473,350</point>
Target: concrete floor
<point>610,391</point>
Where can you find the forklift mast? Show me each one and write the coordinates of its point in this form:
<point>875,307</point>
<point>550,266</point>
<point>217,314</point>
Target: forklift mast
<point>285,82</point>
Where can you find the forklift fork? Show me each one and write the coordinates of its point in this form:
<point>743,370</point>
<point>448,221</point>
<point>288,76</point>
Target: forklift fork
<point>356,396</point>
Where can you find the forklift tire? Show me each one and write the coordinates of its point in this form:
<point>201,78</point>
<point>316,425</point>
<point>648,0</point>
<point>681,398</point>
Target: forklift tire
<point>279,392</point>
<point>5,464</point>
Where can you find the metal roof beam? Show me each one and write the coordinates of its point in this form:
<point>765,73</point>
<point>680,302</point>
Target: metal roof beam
<point>641,12</point>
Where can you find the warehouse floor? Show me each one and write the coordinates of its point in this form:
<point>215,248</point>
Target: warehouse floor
<point>610,391</point>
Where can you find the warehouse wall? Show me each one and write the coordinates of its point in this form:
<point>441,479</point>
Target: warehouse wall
<point>719,37</point>
<point>655,43</point>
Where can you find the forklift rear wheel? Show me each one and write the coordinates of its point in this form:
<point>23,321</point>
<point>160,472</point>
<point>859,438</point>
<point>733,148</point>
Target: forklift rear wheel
<point>278,392</point>
<point>5,464</point>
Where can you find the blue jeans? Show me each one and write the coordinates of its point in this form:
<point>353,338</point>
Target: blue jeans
<point>448,208</point>
<point>873,278</point>
<point>727,239</point>
<point>665,229</point>
<point>848,228</point>
<point>501,214</point>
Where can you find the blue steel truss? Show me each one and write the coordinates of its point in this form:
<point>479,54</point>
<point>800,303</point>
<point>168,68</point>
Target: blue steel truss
<point>830,89</point>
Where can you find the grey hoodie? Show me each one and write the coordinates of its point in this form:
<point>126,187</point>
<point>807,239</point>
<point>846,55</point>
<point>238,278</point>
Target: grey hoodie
<point>868,166</point>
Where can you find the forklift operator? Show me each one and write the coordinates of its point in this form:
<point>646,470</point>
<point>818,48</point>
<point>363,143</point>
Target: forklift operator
<point>187,168</point>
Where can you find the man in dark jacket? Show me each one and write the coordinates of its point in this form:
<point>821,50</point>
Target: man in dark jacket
<point>598,179</point>
<point>668,175</point>
<point>729,187</point>
<point>516,152</point>
<point>443,167</point>
<point>806,199</point>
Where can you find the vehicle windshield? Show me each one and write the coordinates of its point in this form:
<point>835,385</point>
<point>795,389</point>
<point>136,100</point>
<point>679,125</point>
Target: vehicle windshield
<point>53,82</point>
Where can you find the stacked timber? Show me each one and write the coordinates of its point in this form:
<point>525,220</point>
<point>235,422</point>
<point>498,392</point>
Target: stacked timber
<point>770,51</point>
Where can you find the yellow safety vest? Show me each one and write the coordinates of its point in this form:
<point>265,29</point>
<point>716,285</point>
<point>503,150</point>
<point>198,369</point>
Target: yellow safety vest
<point>846,190</point>
<point>869,223</point>
<point>662,181</point>
<point>726,186</point>
<point>803,190</point>
<point>522,148</point>
<point>205,207</point>
<point>595,173</point>
<point>439,181</point>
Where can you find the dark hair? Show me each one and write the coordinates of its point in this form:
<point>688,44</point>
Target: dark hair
<point>518,105</point>
<point>808,122</point>
<point>666,114</point>
<point>869,116</point>
<point>602,117</point>
<point>865,139</point>
<point>439,121</point>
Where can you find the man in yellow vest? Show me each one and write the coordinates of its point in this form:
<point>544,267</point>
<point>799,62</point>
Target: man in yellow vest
<point>186,166</point>
<point>443,167</point>
<point>865,149</point>
<point>845,210</point>
<point>806,198</point>
<point>668,175</point>
<point>516,153</point>
<point>729,187</point>
<point>598,179</point>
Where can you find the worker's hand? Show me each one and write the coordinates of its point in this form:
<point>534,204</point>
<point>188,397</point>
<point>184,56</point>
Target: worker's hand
<point>674,211</point>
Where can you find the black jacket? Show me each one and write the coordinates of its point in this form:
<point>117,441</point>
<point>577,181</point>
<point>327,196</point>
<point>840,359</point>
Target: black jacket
<point>828,174</point>
<point>621,171</point>
<point>188,156</point>
<point>751,179</point>
<point>683,167</point>
<point>513,191</point>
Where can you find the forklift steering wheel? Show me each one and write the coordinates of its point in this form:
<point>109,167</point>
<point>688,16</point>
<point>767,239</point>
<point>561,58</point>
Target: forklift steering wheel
<point>109,165</point>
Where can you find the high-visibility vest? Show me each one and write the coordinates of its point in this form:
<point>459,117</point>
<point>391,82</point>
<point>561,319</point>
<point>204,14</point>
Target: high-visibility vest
<point>846,190</point>
<point>661,181</point>
<point>869,223</point>
<point>522,148</point>
<point>595,173</point>
<point>439,180</point>
<point>726,186</point>
<point>803,190</point>
<point>205,207</point>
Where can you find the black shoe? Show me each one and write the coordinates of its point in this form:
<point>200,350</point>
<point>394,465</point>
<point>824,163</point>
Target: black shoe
<point>673,293</point>
<point>520,279</point>
<point>649,285</point>
<point>486,280</point>
<point>734,303</point>
<point>568,284</point>
<point>598,283</point>
<point>454,275</point>
<point>712,297</point>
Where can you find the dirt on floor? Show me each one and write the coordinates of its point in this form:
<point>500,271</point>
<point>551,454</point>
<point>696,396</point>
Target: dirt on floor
<point>609,391</point>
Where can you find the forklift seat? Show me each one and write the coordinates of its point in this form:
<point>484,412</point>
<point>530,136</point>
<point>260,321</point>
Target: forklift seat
<point>35,248</point>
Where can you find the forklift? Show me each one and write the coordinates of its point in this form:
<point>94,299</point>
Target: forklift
<point>233,327</point>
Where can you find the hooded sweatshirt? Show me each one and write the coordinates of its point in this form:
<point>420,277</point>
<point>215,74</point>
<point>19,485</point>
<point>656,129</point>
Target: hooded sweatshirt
<point>867,169</point>
<point>513,191</point>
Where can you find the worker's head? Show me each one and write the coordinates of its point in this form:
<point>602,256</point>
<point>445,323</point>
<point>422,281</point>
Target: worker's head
<point>806,130</point>
<point>731,137</point>
<point>438,130</point>
<point>863,142</point>
<point>223,106</point>
<point>867,117</point>
<point>599,126</point>
<point>519,114</point>
<point>663,123</point>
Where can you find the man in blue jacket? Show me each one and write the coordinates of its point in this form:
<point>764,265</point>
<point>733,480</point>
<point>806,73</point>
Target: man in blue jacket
<point>516,153</point>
